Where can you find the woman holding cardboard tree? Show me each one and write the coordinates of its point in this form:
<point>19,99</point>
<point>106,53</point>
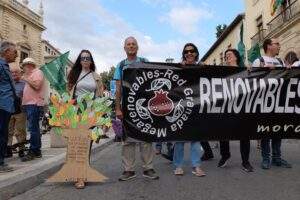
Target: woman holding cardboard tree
<point>83,79</point>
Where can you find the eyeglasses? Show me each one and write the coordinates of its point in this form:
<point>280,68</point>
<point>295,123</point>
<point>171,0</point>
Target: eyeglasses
<point>85,58</point>
<point>189,51</point>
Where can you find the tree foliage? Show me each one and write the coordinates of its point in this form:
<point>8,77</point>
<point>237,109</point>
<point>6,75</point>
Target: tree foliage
<point>107,77</point>
<point>220,29</point>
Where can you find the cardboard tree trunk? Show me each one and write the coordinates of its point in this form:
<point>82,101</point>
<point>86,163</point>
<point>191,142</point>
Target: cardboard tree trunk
<point>77,164</point>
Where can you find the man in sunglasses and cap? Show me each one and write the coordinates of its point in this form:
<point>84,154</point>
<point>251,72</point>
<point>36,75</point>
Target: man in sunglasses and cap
<point>33,102</point>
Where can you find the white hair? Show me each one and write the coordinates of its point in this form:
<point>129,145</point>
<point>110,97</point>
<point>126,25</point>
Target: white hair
<point>5,45</point>
<point>130,37</point>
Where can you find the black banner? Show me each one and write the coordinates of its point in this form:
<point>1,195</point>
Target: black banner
<point>168,102</point>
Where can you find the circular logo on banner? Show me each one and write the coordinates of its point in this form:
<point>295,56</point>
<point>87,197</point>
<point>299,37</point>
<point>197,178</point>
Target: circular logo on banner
<point>158,102</point>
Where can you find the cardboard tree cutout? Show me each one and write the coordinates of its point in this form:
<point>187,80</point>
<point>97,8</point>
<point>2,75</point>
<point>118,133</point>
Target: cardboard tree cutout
<point>74,122</point>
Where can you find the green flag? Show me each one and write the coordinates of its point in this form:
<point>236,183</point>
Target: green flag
<point>254,53</point>
<point>241,45</point>
<point>55,73</point>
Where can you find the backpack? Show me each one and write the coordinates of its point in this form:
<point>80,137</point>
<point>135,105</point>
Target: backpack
<point>123,63</point>
<point>262,61</point>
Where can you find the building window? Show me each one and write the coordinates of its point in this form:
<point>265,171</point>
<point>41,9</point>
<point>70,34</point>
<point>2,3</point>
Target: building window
<point>23,55</point>
<point>24,28</point>
<point>214,62</point>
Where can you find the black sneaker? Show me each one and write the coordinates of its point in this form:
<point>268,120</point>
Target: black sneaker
<point>5,168</point>
<point>127,175</point>
<point>206,157</point>
<point>38,155</point>
<point>281,163</point>
<point>29,156</point>
<point>223,162</point>
<point>21,153</point>
<point>150,173</point>
<point>247,167</point>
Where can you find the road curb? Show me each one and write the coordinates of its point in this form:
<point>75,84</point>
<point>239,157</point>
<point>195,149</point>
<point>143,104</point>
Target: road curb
<point>26,181</point>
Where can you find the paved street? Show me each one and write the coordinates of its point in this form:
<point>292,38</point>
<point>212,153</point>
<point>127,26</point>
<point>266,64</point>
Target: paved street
<point>230,183</point>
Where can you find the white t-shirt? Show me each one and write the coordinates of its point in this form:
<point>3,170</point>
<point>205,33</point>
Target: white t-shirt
<point>296,64</point>
<point>268,61</point>
<point>85,85</point>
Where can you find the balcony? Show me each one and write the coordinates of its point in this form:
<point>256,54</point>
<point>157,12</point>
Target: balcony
<point>289,14</point>
<point>23,9</point>
<point>258,37</point>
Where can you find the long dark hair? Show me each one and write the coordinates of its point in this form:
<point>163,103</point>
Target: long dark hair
<point>291,57</point>
<point>239,59</point>
<point>77,68</point>
<point>192,45</point>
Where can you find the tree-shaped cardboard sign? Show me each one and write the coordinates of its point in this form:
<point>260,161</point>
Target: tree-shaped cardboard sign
<point>80,123</point>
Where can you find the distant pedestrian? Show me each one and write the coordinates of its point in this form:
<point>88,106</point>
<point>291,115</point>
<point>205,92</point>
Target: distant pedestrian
<point>17,124</point>
<point>33,102</point>
<point>8,54</point>
<point>292,60</point>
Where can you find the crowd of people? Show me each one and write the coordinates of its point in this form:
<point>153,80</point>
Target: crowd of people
<point>22,99</point>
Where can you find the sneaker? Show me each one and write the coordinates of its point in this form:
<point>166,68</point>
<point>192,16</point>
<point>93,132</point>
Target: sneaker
<point>127,175</point>
<point>281,163</point>
<point>247,167</point>
<point>38,155</point>
<point>206,157</point>
<point>198,172</point>
<point>150,173</point>
<point>5,168</point>
<point>223,162</point>
<point>266,164</point>
<point>178,171</point>
<point>21,153</point>
<point>29,156</point>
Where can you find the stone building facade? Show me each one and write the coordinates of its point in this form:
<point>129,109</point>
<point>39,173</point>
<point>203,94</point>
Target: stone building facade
<point>21,25</point>
<point>260,24</point>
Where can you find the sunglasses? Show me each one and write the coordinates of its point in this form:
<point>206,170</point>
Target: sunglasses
<point>86,58</point>
<point>189,51</point>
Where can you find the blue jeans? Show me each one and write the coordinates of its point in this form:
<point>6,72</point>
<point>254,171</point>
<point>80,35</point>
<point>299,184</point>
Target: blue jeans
<point>33,113</point>
<point>196,152</point>
<point>265,149</point>
<point>4,121</point>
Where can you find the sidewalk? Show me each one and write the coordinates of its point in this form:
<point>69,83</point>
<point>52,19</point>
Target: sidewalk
<point>27,175</point>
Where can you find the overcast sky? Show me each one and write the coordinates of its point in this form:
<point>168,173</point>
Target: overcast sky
<point>162,27</point>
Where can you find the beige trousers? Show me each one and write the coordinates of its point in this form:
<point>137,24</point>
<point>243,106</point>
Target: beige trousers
<point>128,155</point>
<point>17,128</point>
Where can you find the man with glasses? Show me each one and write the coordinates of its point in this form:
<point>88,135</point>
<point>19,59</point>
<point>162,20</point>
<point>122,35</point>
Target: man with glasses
<point>271,49</point>
<point>129,145</point>
<point>8,54</point>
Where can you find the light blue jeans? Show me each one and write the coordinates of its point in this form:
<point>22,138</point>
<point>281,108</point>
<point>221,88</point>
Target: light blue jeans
<point>196,152</point>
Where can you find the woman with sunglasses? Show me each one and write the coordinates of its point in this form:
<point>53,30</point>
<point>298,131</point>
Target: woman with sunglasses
<point>233,58</point>
<point>83,79</point>
<point>190,56</point>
